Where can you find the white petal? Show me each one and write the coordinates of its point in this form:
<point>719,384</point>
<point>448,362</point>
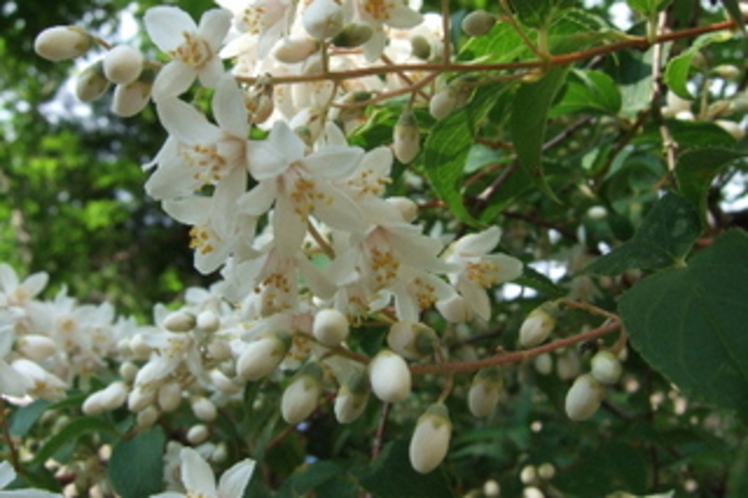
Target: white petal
<point>165,26</point>
<point>235,480</point>
<point>173,80</point>
<point>189,210</point>
<point>197,476</point>
<point>334,162</point>
<point>228,107</point>
<point>171,180</point>
<point>257,201</point>
<point>509,267</point>
<point>214,24</point>
<point>8,278</point>
<point>338,210</point>
<point>186,123</point>
<point>402,17</point>
<point>210,73</point>
<point>477,244</point>
<point>265,160</point>
<point>477,298</point>
<point>7,474</point>
<point>289,228</point>
<point>13,382</point>
<point>283,138</point>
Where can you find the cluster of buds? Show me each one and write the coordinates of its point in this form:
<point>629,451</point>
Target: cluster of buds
<point>588,391</point>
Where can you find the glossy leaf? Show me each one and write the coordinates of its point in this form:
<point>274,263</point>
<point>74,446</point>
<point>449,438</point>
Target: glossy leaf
<point>588,90</point>
<point>26,416</point>
<point>136,466</point>
<point>663,239</point>
<point>648,7</point>
<point>678,68</point>
<point>689,323</point>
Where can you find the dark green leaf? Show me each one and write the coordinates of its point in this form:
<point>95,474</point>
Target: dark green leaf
<point>313,477</point>
<point>696,169</point>
<point>612,467</point>
<point>648,7</point>
<point>26,416</point>
<point>676,72</point>
<point>539,13</point>
<point>737,483</point>
<point>588,90</point>
<point>732,8</point>
<point>136,466</point>
<point>689,323</point>
<point>391,475</point>
<point>528,122</point>
<point>70,433</point>
<point>663,239</point>
<point>535,280</point>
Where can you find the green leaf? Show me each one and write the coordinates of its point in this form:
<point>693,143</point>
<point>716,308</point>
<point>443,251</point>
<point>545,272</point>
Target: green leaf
<point>737,482</point>
<point>588,90</point>
<point>648,7</point>
<point>70,434</point>
<point>613,467</point>
<point>689,323</point>
<point>541,283</point>
<point>539,13</point>
<point>528,123</point>
<point>136,466</point>
<point>676,72</point>
<point>732,8</point>
<point>318,475</point>
<point>25,417</point>
<point>696,169</point>
<point>392,475</point>
<point>663,239</point>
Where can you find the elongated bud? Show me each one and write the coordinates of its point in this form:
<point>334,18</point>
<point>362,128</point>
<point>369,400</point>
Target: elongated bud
<point>353,35</point>
<point>420,47</point>
<point>412,340</point>
<point>294,50</point>
<point>147,417</point>
<point>204,409</point>
<point>114,396</point>
<point>123,64</point>
<point>538,325</point>
<point>132,98</point>
<point>198,434</point>
<point>128,371</point>
<point>169,396</point>
<point>389,377</point>
<point>36,347</point>
<point>180,321</point>
<point>407,143</point>
<point>62,42</point>
<point>208,321</point>
<point>732,128</point>
<point>301,396</point>
<point>219,349</point>
<point>407,207</point>
<point>262,356</point>
<point>584,398</point>
<point>330,327</point>
<point>606,368</point>
<point>543,364</point>
<point>138,399</point>
<point>478,23</point>
<point>443,102</point>
<point>485,392</point>
<point>323,19</point>
<point>430,441</point>
<point>91,83</point>
<point>92,405</point>
<point>729,72</point>
<point>352,398</point>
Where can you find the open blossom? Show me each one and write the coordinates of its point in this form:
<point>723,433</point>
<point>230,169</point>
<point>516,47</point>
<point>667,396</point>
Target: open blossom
<point>380,13</point>
<point>266,20</point>
<point>192,47</point>
<point>14,292</point>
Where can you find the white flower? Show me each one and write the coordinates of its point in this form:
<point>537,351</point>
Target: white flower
<point>13,292</point>
<point>12,382</point>
<point>192,47</point>
<point>268,20</point>
<point>323,19</point>
<point>393,13</point>
<point>8,475</point>
<point>199,480</point>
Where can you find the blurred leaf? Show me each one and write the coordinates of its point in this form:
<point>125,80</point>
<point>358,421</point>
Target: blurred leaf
<point>695,170</point>
<point>648,7</point>
<point>588,90</point>
<point>25,417</point>
<point>528,123</point>
<point>611,467</point>
<point>319,476</point>
<point>678,68</point>
<point>70,433</point>
<point>689,323</point>
<point>737,482</point>
<point>663,239</point>
<point>539,13</point>
<point>535,280</point>
<point>733,8</point>
<point>136,466</point>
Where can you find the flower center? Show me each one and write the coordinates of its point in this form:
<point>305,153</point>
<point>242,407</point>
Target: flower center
<point>194,52</point>
<point>209,163</point>
<point>483,273</point>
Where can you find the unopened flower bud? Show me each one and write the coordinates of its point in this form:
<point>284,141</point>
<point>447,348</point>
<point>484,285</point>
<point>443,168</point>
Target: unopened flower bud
<point>123,64</point>
<point>352,397</point>
<point>262,356</point>
<point>478,23</point>
<point>180,321</point>
<point>323,19</point>
<point>295,49</point>
<point>406,137</point>
<point>36,347</point>
<point>128,370</point>
<point>330,327</point>
<point>147,417</point>
<point>219,349</point>
<point>430,441</point>
<point>92,404</point>
<point>543,364</point>
<point>407,207</point>
<point>138,399</point>
<point>114,396</point>
<point>91,83</point>
<point>169,396</point>
<point>584,397</point>
<point>420,47</point>
<point>538,325</point>
<point>132,98</point>
<point>204,409</point>
<point>353,35</point>
<point>223,383</point>
<point>606,368</point>
<point>301,396</point>
<point>485,392</point>
<point>208,321</point>
<point>62,42</point>
<point>442,103</point>
<point>412,340</point>
<point>389,377</point>
<point>198,434</point>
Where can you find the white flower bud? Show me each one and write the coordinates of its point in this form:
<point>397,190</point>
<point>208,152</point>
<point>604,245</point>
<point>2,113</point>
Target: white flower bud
<point>36,347</point>
<point>180,321</point>
<point>128,370</point>
<point>485,392</point>
<point>330,327</point>
<point>91,83</point>
<point>123,64</point>
<point>114,395</point>
<point>62,42</point>
<point>568,365</point>
<point>204,409</point>
<point>132,98</point>
<point>139,347</point>
<point>294,50</point>
<point>219,349</point>
<point>407,207</point>
<point>389,377</point>
<point>729,72</point>
<point>430,441</point>
<point>606,368</point>
<point>584,397</point>
<point>198,434</point>
<point>420,47</point>
<point>138,399</point>
<point>353,35</point>
<point>352,398</point>
<point>223,383</point>
<point>412,340</point>
<point>92,405</point>
<point>543,364</point>
<point>323,19</point>
<point>208,321</point>
<point>443,102</point>
<point>147,417</point>
<point>407,138</point>
<point>262,356</point>
<point>674,104</point>
<point>478,23</point>
<point>538,325</point>
<point>301,396</point>
<point>169,396</point>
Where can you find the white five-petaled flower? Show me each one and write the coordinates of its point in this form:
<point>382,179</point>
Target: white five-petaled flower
<point>192,47</point>
<point>200,481</point>
<point>268,20</point>
<point>479,270</point>
<point>13,292</point>
<point>378,13</point>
